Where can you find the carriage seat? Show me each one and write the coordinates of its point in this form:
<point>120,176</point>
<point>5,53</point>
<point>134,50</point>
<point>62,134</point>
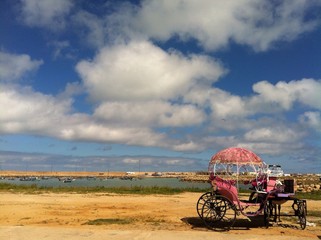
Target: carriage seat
<point>225,188</point>
<point>228,189</point>
<point>271,184</point>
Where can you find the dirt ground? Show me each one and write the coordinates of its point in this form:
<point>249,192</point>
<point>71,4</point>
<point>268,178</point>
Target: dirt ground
<point>151,213</point>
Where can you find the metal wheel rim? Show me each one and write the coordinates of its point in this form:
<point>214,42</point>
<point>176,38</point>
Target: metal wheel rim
<point>201,201</point>
<point>302,216</point>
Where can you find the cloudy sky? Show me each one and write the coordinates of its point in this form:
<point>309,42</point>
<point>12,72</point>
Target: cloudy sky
<point>158,85</point>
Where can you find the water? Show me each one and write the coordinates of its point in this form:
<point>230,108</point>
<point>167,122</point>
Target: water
<point>115,182</point>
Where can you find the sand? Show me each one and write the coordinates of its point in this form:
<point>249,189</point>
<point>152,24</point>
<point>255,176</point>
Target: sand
<point>68,216</point>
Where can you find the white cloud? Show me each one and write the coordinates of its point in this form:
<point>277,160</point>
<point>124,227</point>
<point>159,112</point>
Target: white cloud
<point>268,99</point>
<point>273,149</point>
<point>223,105</point>
<point>311,119</point>
<point>214,23</point>
<point>142,71</point>
<point>273,134</point>
<point>14,66</point>
<point>189,146</point>
<point>44,115</point>
<point>156,114</point>
<point>285,94</point>
<point>72,89</point>
<point>89,130</point>
<point>25,111</point>
<point>45,13</point>
<point>93,28</point>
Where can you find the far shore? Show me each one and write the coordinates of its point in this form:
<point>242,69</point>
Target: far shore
<point>300,179</point>
<point>12,173</point>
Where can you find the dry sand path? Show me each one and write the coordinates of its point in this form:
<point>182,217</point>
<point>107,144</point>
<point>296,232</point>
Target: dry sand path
<point>46,233</point>
<point>67,216</point>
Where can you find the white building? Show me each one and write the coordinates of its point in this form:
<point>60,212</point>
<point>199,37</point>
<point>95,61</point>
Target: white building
<point>275,171</point>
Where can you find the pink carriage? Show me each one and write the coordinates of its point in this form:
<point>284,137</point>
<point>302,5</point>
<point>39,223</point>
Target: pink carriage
<point>219,207</point>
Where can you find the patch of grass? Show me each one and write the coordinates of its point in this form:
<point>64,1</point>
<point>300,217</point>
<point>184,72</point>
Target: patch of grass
<point>314,213</point>
<point>316,195</point>
<point>155,222</point>
<point>107,221</point>
<point>34,189</point>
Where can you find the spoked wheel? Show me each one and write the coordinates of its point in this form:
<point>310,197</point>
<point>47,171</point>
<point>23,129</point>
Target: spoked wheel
<point>302,212</point>
<point>201,202</point>
<point>218,213</point>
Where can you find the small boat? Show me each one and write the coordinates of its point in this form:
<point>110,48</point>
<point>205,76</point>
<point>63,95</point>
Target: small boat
<point>67,180</point>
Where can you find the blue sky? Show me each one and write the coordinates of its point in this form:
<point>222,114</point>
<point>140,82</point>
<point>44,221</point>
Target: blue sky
<point>158,85</point>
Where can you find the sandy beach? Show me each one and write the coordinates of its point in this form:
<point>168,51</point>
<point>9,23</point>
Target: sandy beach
<point>115,216</point>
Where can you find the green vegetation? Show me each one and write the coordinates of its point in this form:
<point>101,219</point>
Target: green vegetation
<point>314,213</point>
<point>316,195</point>
<point>34,189</point>
<point>122,221</point>
<point>107,221</point>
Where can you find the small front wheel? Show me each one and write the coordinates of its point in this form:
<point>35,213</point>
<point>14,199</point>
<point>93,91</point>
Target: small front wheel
<point>302,212</point>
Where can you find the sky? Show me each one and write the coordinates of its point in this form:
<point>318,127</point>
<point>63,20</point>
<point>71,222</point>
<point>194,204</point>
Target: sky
<point>158,85</point>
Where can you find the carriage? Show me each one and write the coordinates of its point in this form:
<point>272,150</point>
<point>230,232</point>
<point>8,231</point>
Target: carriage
<point>232,168</point>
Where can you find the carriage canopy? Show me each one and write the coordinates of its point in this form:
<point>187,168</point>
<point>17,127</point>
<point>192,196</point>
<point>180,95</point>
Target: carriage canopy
<point>235,160</point>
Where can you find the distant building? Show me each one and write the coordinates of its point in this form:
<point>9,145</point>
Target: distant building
<point>275,171</point>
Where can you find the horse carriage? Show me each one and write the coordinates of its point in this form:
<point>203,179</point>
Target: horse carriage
<point>231,168</point>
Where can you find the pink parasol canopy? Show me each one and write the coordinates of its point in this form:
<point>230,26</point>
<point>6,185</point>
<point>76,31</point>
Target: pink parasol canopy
<point>235,155</point>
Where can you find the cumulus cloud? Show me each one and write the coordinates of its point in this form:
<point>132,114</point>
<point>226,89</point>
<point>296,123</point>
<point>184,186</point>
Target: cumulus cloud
<point>45,13</point>
<point>214,24</point>
<point>285,94</point>
<point>139,88</point>
<point>94,29</point>
<point>267,98</point>
<point>142,71</point>
<point>311,119</point>
<point>39,114</point>
<point>153,114</point>
<point>32,112</point>
<point>273,134</point>
<point>15,66</point>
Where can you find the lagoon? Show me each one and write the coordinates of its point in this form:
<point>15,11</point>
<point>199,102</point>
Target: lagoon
<point>114,182</point>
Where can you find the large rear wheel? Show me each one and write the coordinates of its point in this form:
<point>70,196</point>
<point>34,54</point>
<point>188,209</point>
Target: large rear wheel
<point>218,213</point>
<point>201,202</point>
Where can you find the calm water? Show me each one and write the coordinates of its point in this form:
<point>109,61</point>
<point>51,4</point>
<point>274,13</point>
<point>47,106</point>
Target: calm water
<point>116,182</point>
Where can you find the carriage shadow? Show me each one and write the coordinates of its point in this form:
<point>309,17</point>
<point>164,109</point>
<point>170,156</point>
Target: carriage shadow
<point>240,224</point>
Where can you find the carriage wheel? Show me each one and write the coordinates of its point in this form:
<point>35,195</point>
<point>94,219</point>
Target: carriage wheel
<point>302,212</point>
<point>201,202</point>
<point>218,213</point>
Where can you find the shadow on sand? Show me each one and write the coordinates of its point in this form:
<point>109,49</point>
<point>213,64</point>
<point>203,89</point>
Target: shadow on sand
<point>240,224</point>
